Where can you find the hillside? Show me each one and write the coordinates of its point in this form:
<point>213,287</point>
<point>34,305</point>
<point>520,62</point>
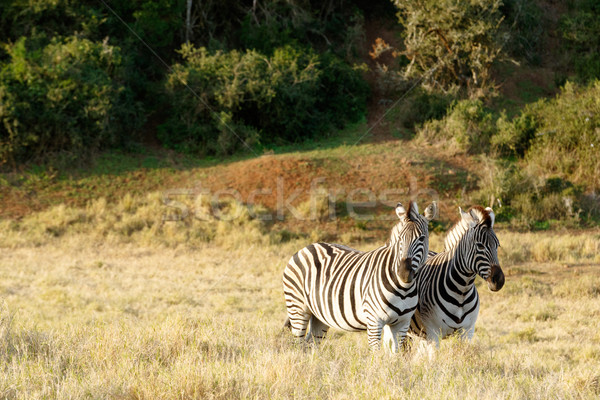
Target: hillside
<point>423,143</point>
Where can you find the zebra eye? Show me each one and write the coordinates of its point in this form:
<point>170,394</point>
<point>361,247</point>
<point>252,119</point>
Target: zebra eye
<point>480,246</point>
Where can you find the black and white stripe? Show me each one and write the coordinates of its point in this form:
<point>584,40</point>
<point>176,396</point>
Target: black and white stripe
<point>448,299</point>
<point>330,285</point>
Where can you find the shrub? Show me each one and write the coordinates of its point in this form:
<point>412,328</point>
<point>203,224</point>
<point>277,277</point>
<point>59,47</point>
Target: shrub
<point>527,200</point>
<point>62,96</point>
<point>221,97</point>
<point>417,108</point>
<point>523,29</point>
<point>467,127</point>
<point>326,25</point>
<point>556,177</point>
<point>451,43</point>
<point>580,29</point>
<point>536,210</point>
<point>50,17</point>
<point>568,135</point>
<point>514,137</point>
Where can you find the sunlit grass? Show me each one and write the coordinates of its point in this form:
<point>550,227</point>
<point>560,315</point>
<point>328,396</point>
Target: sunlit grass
<point>83,316</point>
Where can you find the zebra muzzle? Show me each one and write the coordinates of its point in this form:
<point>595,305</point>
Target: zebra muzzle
<point>496,279</point>
<point>406,271</point>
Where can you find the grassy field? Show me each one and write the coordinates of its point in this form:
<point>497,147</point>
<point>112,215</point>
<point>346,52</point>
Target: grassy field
<point>86,315</point>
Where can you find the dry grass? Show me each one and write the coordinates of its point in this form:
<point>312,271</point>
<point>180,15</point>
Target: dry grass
<point>91,313</point>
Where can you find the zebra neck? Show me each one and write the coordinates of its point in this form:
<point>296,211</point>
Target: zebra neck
<point>459,272</point>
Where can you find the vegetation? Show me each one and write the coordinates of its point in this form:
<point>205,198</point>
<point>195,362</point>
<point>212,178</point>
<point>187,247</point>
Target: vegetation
<point>580,29</point>
<point>117,316</point>
<point>63,98</point>
<point>234,77</point>
<point>450,44</point>
<point>142,239</point>
<point>222,100</point>
<point>277,72</point>
<point>547,165</point>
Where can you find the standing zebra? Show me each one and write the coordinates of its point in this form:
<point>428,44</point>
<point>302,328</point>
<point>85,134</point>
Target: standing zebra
<point>331,285</point>
<point>448,299</point>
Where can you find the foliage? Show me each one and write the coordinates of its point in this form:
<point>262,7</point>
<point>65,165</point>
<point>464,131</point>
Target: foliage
<point>327,25</point>
<point>50,17</point>
<point>555,176</point>
<point>515,136</point>
<point>418,107</point>
<point>63,97</point>
<point>221,97</point>
<point>527,200</point>
<point>467,127</point>
<point>581,30</point>
<point>451,43</point>
<point>523,29</point>
<point>554,200</point>
<point>568,135</point>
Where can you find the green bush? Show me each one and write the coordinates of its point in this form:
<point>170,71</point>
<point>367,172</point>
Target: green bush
<point>418,107</point>
<point>580,29</point>
<point>221,97</point>
<point>451,43</point>
<point>523,28</point>
<point>555,176</point>
<point>50,17</point>
<point>62,97</point>
<point>326,25</point>
<point>514,137</point>
<point>556,200</point>
<point>527,200</point>
<point>568,136</point>
<point>467,127</point>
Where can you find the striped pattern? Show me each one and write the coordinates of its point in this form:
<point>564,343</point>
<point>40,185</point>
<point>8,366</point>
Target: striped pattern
<point>448,299</point>
<point>330,285</point>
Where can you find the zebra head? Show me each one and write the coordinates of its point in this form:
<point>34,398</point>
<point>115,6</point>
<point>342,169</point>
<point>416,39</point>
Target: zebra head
<point>484,242</point>
<point>411,238</point>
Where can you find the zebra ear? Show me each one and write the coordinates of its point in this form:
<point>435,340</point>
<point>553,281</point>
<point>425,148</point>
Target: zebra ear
<point>491,214</point>
<point>400,210</point>
<point>431,211</point>
<point>468,218</point>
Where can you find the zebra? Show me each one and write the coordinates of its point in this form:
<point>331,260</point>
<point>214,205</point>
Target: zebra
<point>448,299</point>
<point>331,285</point>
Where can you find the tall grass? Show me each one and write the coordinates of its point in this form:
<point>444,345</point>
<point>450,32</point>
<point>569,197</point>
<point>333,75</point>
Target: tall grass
<point>154,219</point>
<point>87,317</point>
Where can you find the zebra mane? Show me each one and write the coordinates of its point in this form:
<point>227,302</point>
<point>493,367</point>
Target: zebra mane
<point>412,209</point>
<point>456,233</point>
<point>483,215</point>
<point>391,235</point>
<point>477,215</point>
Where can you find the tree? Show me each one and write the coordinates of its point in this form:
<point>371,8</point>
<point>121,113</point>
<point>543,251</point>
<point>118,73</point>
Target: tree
<point>451,43</point>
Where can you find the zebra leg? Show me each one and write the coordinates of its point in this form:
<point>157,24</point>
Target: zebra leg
<point>299,322</point>
<point>374,334</point>
<point>434,336</point>
<point>317,330</point>
<point>298,315</point>
<point>467,334</point>
<point>393,336</point>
